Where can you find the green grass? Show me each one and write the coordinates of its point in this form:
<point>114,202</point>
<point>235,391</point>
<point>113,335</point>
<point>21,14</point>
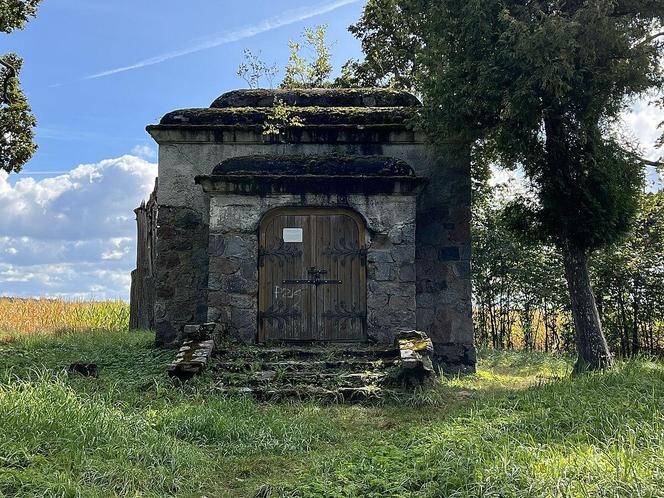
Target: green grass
<point>519,427</point>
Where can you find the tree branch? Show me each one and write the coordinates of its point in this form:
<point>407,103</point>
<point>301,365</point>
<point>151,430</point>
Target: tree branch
<point>649,39</point>
<point>648,162</point>
<point>11,73</point>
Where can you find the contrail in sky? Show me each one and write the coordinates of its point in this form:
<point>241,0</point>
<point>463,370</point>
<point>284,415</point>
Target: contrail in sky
<point>284,19</point>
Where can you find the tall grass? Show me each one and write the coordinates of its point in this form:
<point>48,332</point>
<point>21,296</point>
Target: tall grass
<point>520,427</point>
<point>131,431</point>
<point>53,316</point>
<point>601,435</point>
<point>58,443</point>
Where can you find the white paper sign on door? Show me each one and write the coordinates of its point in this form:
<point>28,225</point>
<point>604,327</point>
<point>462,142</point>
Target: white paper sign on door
<point>292,235</point>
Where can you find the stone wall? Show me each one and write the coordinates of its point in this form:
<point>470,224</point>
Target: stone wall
<point>233,281</point>
<point>443,233</point>
<point>444,305</point>
<point>181,294</point>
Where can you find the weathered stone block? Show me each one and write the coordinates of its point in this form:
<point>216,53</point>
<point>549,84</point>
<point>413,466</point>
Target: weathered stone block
<point>244,318</point>
<point>380,256</point>
<point>382,272</point>
<point>403,253</point>
<point>191,360</point>
<point>224,265</point>
<point>427,286</point>
<point>455,358</point>
<point>407,273</point>
<point>238,246</point>
<point>217,245</point>
<point>415,352</point>
<point>401,303</point>
<point>235,284</point>
<point>449,254</point>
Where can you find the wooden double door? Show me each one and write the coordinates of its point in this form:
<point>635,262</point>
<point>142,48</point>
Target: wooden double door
<point>312,276</point>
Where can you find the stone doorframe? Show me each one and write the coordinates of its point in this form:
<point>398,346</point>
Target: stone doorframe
<point>237,205</point>
<point>233,263</point>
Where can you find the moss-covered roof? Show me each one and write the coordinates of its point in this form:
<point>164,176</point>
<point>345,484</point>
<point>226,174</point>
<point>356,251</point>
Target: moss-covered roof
<point>318,97</point>
<point>247,116</point>
<point>297,165</point>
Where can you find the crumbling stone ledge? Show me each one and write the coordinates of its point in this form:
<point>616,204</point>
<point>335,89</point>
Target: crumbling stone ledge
<point>191,360</point>
<point>195,353</point>
<point>415,351</point>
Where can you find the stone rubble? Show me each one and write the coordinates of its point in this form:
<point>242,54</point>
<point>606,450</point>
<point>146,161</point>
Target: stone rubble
<point>194,355</point>
<point>415,352</point>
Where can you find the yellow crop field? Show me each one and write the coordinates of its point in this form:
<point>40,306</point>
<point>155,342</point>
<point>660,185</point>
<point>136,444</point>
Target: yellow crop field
<point>55,316</point>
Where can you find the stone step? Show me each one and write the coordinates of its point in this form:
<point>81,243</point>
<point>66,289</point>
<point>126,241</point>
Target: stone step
<point>295,352</point>
<point>342,394</point>
<point>350,365</point>
<point>303,378</point>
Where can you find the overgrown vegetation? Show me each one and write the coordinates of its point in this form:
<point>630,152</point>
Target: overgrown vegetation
<point>539,85</point>
<point>519,427</point>
<point>519,289</point>
<point>309,63</point>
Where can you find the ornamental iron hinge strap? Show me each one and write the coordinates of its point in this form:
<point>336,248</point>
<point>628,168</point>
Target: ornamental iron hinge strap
<point>342,313</point>
<point>343,249</point>
<point>280,312</point>
<point>284,251</point>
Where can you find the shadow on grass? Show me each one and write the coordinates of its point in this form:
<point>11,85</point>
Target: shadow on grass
<point>600,435</point>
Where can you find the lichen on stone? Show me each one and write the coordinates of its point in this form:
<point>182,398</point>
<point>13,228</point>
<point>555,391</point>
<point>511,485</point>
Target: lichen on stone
<point>317,97</point>
<point>306,116</point>
<point>346,165</point>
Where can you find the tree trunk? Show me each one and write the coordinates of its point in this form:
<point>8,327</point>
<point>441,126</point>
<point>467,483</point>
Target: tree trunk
<point>635,328</point>
<point>591,345</point>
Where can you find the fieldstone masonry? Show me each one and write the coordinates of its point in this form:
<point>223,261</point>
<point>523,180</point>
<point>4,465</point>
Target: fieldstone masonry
<point>418,242</point>
<point>233,271</point>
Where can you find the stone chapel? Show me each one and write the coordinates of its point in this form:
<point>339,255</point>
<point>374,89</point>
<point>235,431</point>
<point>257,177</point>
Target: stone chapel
<point>312,216</point>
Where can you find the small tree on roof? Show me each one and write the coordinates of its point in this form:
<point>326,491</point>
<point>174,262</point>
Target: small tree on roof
<point>302,72</point>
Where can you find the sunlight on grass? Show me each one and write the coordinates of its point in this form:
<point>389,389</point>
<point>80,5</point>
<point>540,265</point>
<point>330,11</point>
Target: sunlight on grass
<point>599,435</point>
<point>520,427</point>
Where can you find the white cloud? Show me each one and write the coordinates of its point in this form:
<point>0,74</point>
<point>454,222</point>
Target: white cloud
<point>73,235</point>
<point>642,123</point>
<point>144,151</point>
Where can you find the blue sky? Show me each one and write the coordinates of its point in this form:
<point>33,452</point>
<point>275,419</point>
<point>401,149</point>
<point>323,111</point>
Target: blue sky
<point>84,120</point>
<point>96,73</point>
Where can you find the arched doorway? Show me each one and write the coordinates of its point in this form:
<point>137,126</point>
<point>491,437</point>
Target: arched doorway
<point>312,276</point>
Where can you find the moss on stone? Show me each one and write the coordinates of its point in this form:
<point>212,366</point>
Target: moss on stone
<point>252,116</point>
<point>317,97</point>
<point>344,165</point>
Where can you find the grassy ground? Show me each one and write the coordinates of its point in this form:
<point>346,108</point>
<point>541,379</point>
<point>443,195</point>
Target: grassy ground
<point>520,427</point>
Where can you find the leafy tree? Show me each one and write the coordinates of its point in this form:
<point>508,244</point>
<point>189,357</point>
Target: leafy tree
<point>254,69</point>
<point>629,282</point>
<point>538,84</point>
<point>16,119</point>
<point>14,14</point>
<point>302,72</point>
<point>519,294</point>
